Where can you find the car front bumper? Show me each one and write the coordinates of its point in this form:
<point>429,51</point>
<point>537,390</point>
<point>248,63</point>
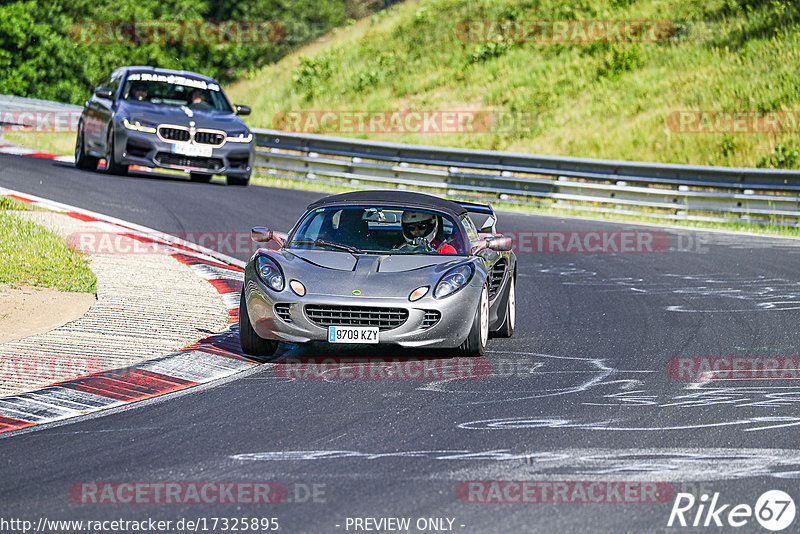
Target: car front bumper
<point>148,150</point>
<point>456,314</point>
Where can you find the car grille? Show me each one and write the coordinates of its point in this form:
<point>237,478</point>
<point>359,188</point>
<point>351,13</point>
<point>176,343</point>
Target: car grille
<point>496,277</point>
<point>383,318</point>
<point>215,138</point>
<point>173,134</point>
<point>431,318</point>
<point>209,138</point>
<point>282,311</point>
<point>165,158</point>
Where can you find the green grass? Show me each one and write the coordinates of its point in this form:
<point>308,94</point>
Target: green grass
<point>59,143</point>
<point>602,100</point>
<point>32,255</point>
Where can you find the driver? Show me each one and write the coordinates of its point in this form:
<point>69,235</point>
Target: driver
<point>419,231</point>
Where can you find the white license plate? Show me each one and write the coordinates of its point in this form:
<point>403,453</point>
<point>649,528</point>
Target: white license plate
<point>352,334</point>
<point>192,150</point>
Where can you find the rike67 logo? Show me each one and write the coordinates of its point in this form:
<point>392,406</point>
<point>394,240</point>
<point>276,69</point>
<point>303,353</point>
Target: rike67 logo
<point>774,510</point>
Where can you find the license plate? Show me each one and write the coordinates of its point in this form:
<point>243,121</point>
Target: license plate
<point>192,150</point>
<point>352,334</point>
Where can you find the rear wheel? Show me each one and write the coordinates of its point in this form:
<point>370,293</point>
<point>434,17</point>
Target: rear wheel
<point>507,329</point>
<point>83,160</point>
<point>475,344</point>
<point>112,167</point>
<point>251,342</point>
<point>200,177</point>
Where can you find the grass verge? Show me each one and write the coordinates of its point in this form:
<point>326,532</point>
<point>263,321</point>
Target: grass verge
<point>32,255</point>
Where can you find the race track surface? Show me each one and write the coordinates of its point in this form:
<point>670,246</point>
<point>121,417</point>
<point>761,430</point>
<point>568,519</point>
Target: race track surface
<point>584,391</point>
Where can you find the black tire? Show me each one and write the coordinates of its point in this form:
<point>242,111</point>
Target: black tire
<point>475,344</point>
<point>200,177</point>
<point>238,180</point>
<point>112,167</point>
<point>251,342</point>
<point>82,160</point>
<point>507,328</point>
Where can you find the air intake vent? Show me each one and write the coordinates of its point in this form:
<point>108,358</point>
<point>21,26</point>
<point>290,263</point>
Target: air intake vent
<point>496,277</point>
<point>282,311</point>
<point>431,318</point>
<point>383,318</point>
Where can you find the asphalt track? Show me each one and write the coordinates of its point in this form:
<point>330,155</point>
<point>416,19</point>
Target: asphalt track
<point>580,393</point>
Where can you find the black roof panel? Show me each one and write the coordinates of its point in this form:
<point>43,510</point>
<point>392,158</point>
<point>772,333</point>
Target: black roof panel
<point>397,198</point>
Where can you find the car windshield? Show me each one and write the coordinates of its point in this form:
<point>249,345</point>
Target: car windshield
<point>379,230</point>
<point>174,90</point>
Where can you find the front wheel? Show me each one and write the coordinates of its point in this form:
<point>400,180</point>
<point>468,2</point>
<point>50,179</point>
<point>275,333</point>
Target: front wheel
<point>475,344</point>
<point>112,167</point>
<point>507,329</point>
<point>252,343</point>
<point>82,159</point>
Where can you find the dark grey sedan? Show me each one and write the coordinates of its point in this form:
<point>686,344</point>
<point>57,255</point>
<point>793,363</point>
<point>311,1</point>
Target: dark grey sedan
<point>381,267</point>
<point>168,119</point>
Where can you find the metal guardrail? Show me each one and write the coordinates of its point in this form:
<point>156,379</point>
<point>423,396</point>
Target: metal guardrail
<point>682,189</point>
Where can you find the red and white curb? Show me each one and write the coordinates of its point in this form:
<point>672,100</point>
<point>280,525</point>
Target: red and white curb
<point>22,151</point>
<point>209,359</point>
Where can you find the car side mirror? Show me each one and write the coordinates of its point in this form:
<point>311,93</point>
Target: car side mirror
<point>102,92</point>
<point>241,109</point>
<point>261,234</point>
<point>498,242</point>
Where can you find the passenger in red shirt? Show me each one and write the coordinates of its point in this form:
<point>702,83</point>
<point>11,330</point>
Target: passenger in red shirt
<point>419,226</point>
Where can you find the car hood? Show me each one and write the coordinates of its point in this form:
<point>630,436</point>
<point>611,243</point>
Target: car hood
<point>373,275</point>
<point>182,116</point>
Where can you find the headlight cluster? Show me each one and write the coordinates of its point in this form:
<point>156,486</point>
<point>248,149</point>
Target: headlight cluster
<point>454,280</point>
<point>239,137</point>
<point>139,126</point>
<point>269,272</point>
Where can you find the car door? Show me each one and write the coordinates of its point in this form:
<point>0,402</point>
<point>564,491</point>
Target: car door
<point>92,123</point>
<point>106,108</point>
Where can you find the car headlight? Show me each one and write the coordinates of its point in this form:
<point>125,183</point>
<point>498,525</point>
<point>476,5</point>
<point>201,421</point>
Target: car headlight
<point>269,272</point>
<point>453,280</point>
<point>239,137</point>
<point>139,126</point>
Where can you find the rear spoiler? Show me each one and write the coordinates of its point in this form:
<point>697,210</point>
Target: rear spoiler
<point>477,208</point>
<point>488,226</point>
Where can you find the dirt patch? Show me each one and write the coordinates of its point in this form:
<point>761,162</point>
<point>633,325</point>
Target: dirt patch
<point>29,310</point>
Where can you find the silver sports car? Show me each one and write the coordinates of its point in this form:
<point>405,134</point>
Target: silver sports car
<point>381,267</point>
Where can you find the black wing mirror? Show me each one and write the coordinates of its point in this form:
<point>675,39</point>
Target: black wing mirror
<point>102,92</point>
<point>241,109</point>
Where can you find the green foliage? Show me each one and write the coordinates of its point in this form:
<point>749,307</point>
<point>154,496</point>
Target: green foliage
<point>312,74</point>
<point>618,60</point>
<point>783,156</point>
<point>49,49</point>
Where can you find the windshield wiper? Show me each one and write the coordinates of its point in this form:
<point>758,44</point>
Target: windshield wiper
<point>323,243</point>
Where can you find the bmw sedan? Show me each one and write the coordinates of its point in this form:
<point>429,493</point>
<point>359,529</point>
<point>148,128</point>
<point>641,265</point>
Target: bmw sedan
<point>166,119</point>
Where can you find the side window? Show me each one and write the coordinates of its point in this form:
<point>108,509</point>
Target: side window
<point>113,84</point>
<point>469,226</point>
